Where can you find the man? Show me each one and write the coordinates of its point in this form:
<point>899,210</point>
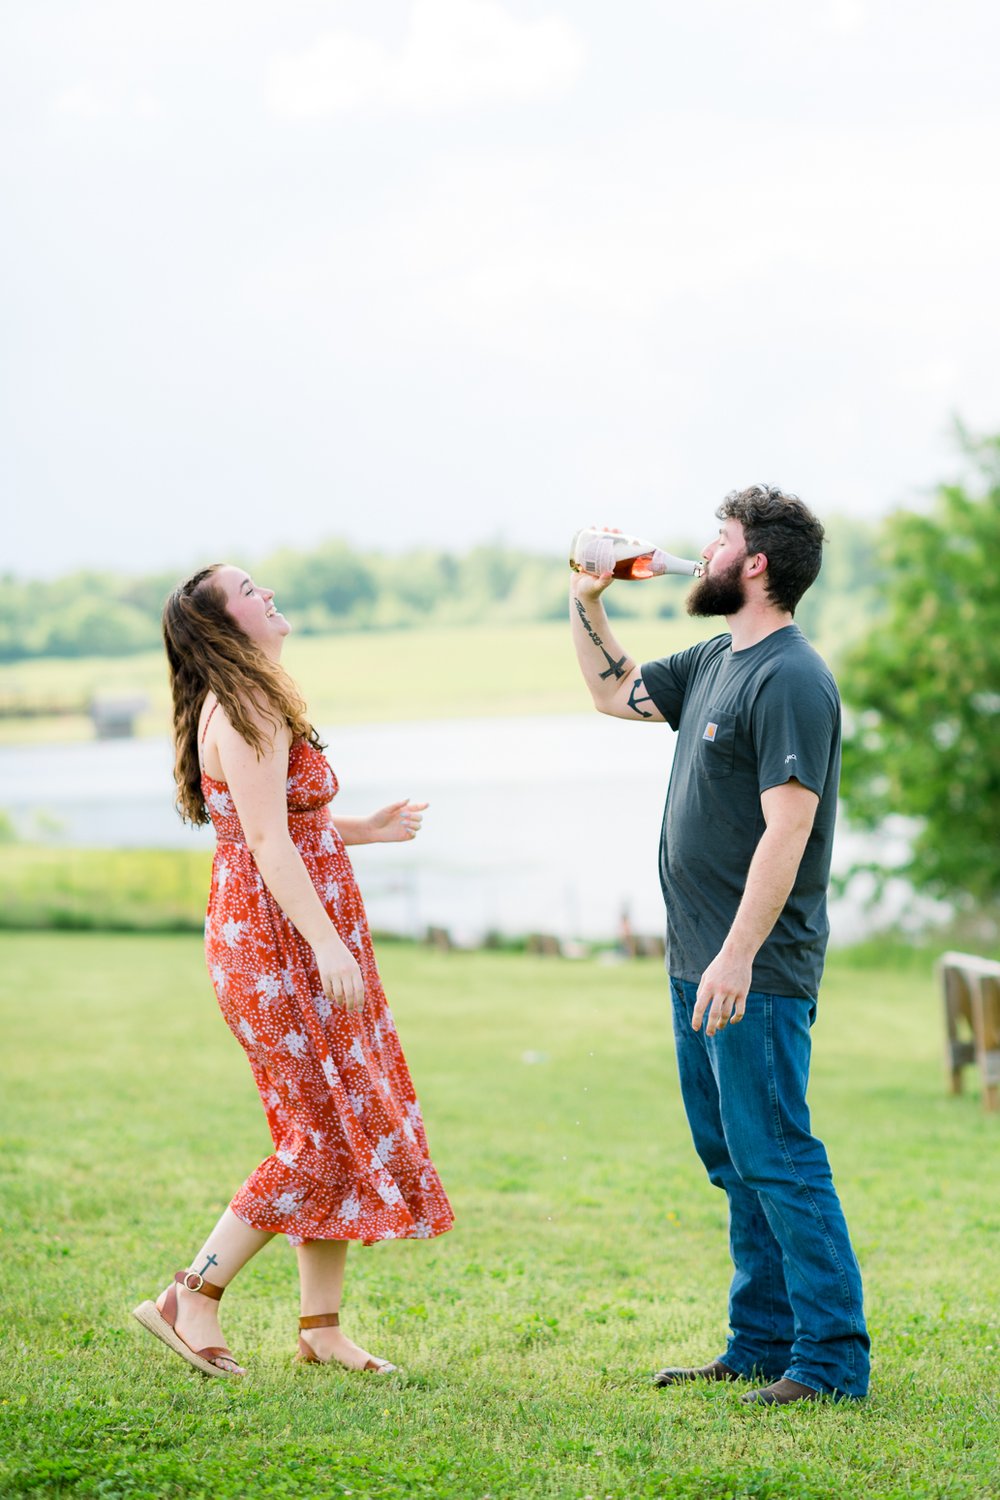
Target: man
<point>744,867</point>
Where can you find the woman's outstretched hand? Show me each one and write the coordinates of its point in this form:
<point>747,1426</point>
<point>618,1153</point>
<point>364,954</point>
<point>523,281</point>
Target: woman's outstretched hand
<point>340,975</point>
<point>397,822</point>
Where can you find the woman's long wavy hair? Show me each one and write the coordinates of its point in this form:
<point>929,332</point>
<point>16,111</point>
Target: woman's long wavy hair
<point>209,652</point>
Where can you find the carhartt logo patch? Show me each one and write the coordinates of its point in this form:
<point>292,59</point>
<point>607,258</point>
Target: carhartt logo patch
<point>711,730</point>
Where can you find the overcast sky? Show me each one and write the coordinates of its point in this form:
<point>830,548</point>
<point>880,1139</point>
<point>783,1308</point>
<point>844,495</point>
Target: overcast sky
<point>431,272</point>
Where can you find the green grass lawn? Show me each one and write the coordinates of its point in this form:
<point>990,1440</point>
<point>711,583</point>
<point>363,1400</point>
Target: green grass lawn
<point>367,677</point>
<point>588,1249</point>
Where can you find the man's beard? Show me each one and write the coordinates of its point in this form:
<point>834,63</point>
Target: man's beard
<point>719,593</point>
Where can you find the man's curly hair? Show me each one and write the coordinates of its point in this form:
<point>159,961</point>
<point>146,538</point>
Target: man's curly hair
<point>788,534</point>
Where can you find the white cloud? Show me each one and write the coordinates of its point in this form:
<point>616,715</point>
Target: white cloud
<point>506,254</point>
<point>84,101</point>
<point>457,54</point>
<point>846,17</point>
<point>87,100</point>
<point>940,378</point>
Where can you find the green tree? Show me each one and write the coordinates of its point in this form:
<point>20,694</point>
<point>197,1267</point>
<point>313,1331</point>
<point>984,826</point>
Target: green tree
<point>95,627</point>
<point>332,585</point>
<point>836,611</point>
<point>922,689</point>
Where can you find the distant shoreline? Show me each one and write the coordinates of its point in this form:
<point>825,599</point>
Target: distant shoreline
<point>365,677</point>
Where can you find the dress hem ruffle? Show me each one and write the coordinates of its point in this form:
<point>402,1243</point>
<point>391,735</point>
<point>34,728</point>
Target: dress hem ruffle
<point>331,1227</point>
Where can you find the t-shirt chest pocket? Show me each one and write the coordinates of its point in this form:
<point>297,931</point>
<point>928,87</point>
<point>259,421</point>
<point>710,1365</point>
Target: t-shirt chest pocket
<point>717,744</point>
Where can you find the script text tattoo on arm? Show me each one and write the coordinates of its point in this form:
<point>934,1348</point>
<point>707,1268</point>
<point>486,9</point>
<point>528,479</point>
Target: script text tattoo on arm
<point>615,668</point>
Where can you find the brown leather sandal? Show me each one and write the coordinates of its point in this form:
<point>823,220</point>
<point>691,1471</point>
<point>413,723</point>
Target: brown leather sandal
<point>163,1323</point>
<point>308,1356</point>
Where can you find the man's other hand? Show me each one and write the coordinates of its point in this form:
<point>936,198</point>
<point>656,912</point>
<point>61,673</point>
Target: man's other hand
<point>722,993</point>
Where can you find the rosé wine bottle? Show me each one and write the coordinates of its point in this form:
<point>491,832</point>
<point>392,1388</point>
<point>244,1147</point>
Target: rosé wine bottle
<point>598,551</point>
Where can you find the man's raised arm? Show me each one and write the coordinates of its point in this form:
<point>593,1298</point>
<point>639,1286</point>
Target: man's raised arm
<point>613,678</point>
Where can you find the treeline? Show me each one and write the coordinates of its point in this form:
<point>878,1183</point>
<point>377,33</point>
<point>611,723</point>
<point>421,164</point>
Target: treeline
<point>334,587</point>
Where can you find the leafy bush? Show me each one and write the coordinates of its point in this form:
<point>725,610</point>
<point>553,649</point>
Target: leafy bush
<point>923,689</point>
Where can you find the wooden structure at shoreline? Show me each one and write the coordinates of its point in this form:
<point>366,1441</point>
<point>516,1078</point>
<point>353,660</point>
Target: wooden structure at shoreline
<point>971,993</point>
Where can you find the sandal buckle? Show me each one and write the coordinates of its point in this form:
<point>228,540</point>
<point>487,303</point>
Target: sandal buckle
<point>193,1281</point>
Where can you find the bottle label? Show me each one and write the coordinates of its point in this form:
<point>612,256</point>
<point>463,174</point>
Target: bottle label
<point>598,554</point>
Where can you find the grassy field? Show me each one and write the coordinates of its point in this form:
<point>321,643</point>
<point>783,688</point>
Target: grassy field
<point>588,1248</point>
<point>370,677</point>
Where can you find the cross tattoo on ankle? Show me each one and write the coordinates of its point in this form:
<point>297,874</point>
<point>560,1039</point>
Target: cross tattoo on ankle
<point>210,1262</point>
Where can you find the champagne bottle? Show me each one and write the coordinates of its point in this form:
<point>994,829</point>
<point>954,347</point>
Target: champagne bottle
<point>595,550</point>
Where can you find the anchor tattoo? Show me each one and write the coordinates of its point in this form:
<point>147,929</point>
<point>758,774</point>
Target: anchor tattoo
<point>633,701</point>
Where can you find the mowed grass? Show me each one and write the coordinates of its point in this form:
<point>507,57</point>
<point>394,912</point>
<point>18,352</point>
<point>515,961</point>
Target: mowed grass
<point>588,1249</point>
<point>366,677</point>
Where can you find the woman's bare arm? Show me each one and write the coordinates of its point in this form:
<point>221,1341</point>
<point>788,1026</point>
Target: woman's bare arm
<point>257,786</point>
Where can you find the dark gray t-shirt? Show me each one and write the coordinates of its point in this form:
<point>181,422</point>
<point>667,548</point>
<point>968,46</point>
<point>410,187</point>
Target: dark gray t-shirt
<point>745,721</point>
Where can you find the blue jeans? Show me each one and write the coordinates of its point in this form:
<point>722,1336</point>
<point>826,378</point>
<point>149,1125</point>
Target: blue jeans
<point>795,1304</point>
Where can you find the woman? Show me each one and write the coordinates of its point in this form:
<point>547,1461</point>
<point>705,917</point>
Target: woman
<point>291,960</point>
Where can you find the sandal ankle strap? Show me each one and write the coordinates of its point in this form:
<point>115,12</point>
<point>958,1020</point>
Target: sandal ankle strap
<point>194,1281</point>
<point>321,1320</point>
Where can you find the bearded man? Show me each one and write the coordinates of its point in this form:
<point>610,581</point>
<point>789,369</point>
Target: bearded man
<point>744,867</point>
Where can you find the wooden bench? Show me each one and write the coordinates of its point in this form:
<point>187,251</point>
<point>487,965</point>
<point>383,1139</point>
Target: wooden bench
<point>971,990</point>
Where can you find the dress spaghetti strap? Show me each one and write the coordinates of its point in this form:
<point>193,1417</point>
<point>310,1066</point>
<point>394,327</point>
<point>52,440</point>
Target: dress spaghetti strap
<point>201,737</point>
<point>208,720</point>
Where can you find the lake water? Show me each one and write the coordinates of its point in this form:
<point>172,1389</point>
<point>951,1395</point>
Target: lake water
<point>536,824</point>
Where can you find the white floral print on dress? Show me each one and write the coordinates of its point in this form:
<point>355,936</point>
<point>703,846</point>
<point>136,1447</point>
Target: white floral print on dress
<point>384,1148</point>
<point>286,1203</point>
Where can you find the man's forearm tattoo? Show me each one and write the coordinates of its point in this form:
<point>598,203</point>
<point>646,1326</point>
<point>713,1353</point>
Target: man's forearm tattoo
<point>615,668</point>
<point>639,695</point>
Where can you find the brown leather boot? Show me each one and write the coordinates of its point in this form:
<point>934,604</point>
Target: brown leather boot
<point>780,1393</point>
<point>715,1371</point>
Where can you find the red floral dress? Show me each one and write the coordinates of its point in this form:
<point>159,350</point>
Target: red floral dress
<point>350,1160</point>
